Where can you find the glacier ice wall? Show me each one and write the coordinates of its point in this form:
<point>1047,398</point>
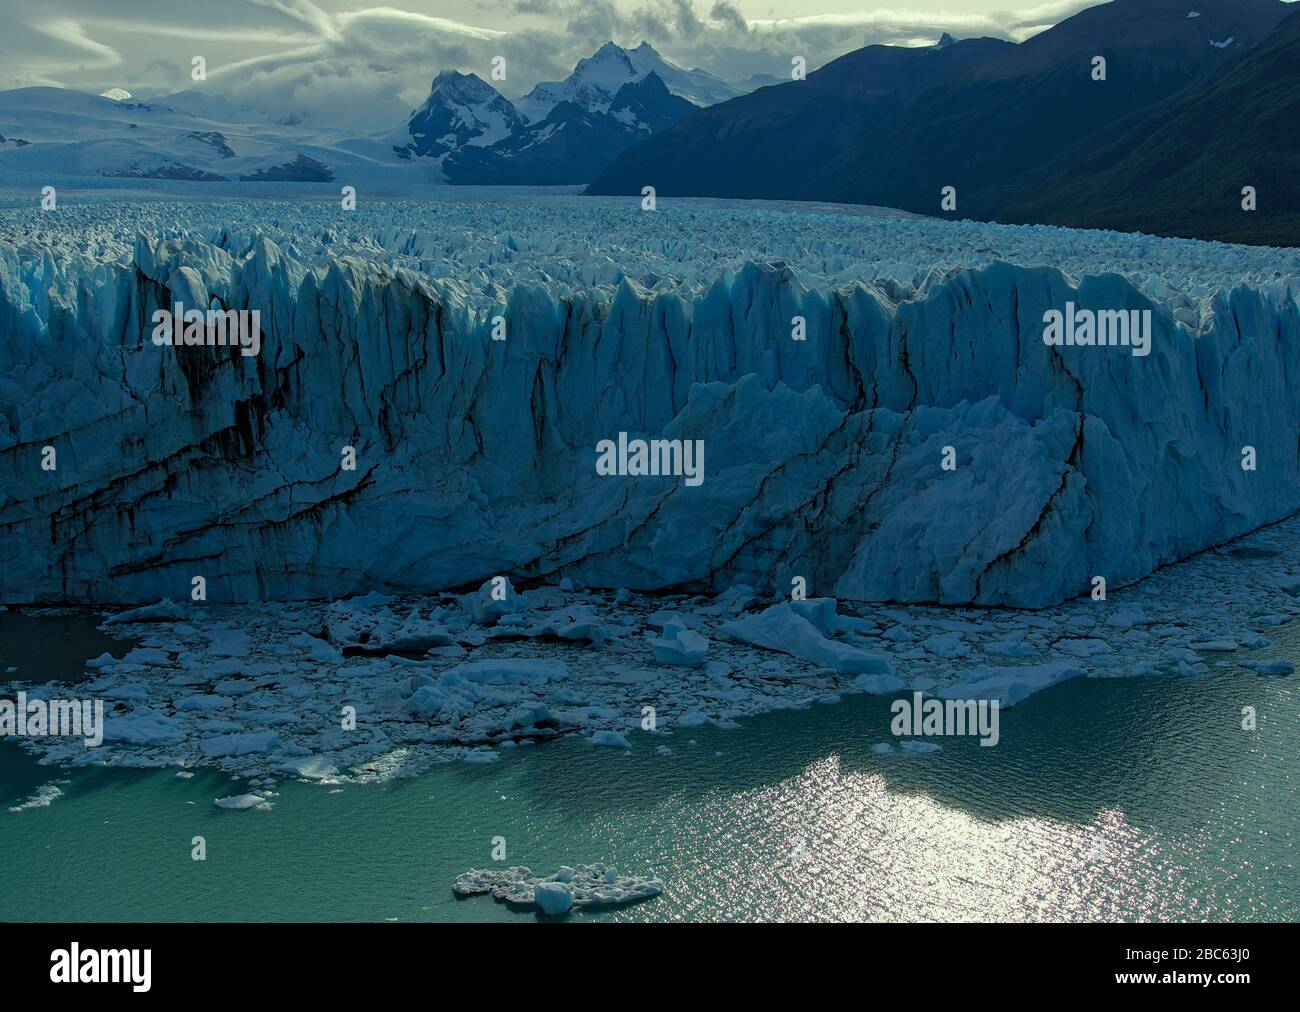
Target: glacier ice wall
<point>476,458</point>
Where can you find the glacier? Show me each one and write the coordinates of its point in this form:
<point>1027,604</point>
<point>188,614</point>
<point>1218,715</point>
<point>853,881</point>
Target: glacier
<point>476,458</point>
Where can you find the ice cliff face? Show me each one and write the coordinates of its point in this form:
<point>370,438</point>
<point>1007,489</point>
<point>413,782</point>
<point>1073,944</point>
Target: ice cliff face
<point>477,457</point>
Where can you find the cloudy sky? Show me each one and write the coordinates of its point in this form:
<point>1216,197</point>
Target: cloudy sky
<point>333,61</point>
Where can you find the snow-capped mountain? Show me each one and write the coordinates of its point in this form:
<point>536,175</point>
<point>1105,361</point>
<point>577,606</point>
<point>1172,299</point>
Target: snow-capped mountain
<point>571,143</point>
<point>612,100</point>
<point>461,109</point>
<point>647,105</point>
<point>72,133</point>
<point>596,80</point>
<point>561,132</point>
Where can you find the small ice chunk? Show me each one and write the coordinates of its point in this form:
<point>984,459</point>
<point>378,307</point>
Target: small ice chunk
<point>1289,583</point>
<point>1127,618</point>
<point>1222,646</point>
<point>509,671</point>
<point>782,627</point>
<point>877,685</point>
<point>45,796</point>
<point>241,802</point>
<point>484,607</point>
<point>554,898</point>
<point>1084,647</point>
<point>946,645</point>
<point>144,727</point>
<point>1011,648</point>
<point>230,643</point>
<point>683,647</point>
<point>1277,666</point>
<point>165,610</point>
<point>1010,685</point>
<point>238,744</point>
<point>311,767</point>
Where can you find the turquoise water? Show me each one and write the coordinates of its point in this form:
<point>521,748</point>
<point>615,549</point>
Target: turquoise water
<point>1105,799</point>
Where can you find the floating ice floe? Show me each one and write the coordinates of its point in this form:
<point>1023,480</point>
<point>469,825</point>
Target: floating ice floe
<point>582,887</point>
<point>243,803</point>
<point>1277,666</point>
<point>312,767</point>
<point>45,796</point>
<point>1009,685</point>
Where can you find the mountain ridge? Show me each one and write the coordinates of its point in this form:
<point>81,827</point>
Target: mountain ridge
<point>879,127</point>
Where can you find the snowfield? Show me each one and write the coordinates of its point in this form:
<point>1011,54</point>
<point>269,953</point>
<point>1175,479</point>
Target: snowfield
<point>476,457</point>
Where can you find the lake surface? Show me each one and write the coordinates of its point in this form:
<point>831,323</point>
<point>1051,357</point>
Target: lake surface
<point>1129,799</point>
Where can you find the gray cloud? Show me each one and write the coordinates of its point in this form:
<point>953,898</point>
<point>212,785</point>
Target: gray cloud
<point>366,67</point>
<point>728,14</point>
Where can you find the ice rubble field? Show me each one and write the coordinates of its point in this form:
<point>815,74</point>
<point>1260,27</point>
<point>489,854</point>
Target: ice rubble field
<point>260,691</point>
<point>477,457</point>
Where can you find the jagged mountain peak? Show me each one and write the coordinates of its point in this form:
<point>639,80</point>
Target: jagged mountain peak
<point>596,79</point>
<point>461,109</point>
<point>573,141</point>
<point>468,85</point>
<point>650,82</point>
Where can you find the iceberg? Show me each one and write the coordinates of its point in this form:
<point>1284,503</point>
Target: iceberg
<point>554,898</point>
<point>784,627</point>
<point>580,887</point>
<point>1010,685</point>
<point>679,646</point>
